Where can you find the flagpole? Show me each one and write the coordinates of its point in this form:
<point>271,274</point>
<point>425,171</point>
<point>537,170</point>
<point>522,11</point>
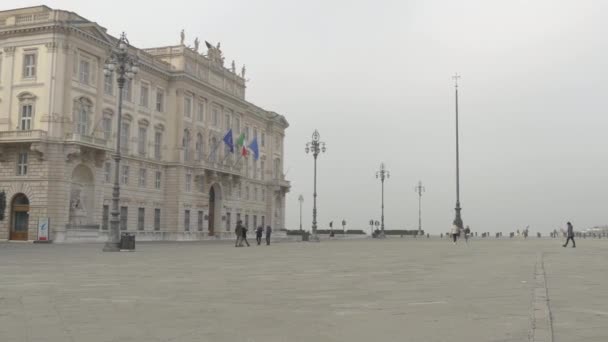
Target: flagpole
<point>213,151</point>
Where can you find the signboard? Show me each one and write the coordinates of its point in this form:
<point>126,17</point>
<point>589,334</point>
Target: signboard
<point>43,229</point>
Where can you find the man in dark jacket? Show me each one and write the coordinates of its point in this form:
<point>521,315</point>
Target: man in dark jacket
<point>244,236</point>
<point>238,231</point>
<point>570,235</point>
<point>268,233</point>
<point>259,231</point>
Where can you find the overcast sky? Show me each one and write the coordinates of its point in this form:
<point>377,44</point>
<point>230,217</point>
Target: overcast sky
<point>375,78</point>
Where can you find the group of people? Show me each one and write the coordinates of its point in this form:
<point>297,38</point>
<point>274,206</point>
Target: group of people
<point>457,232</point>
<point>241,234</point>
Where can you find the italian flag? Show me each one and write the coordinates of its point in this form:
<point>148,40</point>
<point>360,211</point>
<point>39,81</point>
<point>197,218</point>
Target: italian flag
<point>241,142</point>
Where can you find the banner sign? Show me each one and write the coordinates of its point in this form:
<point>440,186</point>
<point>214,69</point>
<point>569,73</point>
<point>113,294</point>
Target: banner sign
<point>43,229</point>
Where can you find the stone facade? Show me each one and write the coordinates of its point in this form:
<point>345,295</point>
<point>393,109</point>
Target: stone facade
<point>58,132</point>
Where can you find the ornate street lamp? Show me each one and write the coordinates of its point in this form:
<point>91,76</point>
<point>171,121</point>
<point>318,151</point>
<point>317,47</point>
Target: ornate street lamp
<point>458,218</point>
<point>125,66</point>
<point>382,174</point>
<point>301,200</point>
<point>419,189</point>
<point>315,147</point>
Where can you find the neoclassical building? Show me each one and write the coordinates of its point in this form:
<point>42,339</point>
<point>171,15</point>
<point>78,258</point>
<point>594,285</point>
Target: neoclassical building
<point>179,181</point>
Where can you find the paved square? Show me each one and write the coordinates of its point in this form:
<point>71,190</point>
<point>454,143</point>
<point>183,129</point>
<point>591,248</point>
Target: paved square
<point>364,290</point>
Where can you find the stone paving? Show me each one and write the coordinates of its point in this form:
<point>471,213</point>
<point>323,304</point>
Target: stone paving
<point>359,290</point>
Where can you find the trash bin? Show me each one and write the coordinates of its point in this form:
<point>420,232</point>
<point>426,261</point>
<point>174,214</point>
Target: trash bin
<point>127,241</point>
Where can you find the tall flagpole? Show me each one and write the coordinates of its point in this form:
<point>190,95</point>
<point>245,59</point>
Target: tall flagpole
<point>458,218</point>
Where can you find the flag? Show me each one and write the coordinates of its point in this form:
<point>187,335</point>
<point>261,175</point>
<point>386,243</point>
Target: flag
<point>254,148</point>
<point>241,140</point>
<point>228,140</point>
<point>244,151</point>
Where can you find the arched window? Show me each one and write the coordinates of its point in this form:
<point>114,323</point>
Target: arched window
<point>199,146</point>
<point>27,103</point>
<point>186,145</point>
<point>83,108</point>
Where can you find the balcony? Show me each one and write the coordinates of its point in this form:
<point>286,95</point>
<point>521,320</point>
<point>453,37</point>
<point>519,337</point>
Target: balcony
<point>22,136</point>
<point>281,182</point>
<point>86,140</point>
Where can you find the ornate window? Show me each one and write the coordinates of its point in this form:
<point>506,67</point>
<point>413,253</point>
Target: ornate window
<point>216,117</point>
<point>227,121</point>
<point>262,170</point>
<point>143,174</point>
<point>237,126</point>
<point>160,100</point>
<point>188,186</point>
<point>157,219</point>
<point>199,147</point>
<point>144,92</point>
<point>188,107</point>
<point>158,179</point>
<point>83,109</point>
<point>26,111</point>
<point>22,164</point>
<point>277,168</point>
<point>142,139</point>
<point>201,111</point>
<point>186,145</point>
<point>187,220</point>
<point>84,75</point>
<point>158,139</point>
<point>107,124</point>
<point>141,215</point>
<point>29,64</point>
<point>125,174</point>
<point>125,135</point>
<point>108,85</point>
<point>213,154</point>
<point>107,172</point>
<point>124,214</point>
<point>127,90</point>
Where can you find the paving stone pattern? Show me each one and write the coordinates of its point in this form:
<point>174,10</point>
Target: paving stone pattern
<point>360,290</point>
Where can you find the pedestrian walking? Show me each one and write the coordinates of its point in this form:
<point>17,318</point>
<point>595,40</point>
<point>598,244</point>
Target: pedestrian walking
<point>244,237</point>
<point>259,231</point>
<point>570,236</point>
<point>268,233</point>
<point>238,231</point>
<point>455,232</point>
<point>467,232</point>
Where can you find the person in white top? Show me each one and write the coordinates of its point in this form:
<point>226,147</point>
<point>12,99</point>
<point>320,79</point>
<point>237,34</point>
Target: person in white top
<point>455,232</point>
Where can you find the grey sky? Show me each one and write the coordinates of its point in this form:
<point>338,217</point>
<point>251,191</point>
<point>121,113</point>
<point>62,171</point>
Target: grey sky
<point>375,78</point>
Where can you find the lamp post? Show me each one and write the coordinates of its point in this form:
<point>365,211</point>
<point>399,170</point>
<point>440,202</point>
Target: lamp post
<point>382,174</point>
<point>125,66</point>
<point>301,200</point>
<point>419,189</point>
<point>458,218</point>
<point>315,146</point>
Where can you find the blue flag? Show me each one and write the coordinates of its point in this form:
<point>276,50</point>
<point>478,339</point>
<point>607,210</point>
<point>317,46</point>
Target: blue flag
<point>254,147</point>
<point>228,140</point>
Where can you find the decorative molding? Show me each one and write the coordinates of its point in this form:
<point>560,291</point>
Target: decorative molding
<point>9,51</point>
<point>72,153</point>
<point>51,46</point>
<point>40,149</point>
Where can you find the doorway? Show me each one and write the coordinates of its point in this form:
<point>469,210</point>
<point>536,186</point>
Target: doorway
<point>20,214</point>
<point>211,211</point>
